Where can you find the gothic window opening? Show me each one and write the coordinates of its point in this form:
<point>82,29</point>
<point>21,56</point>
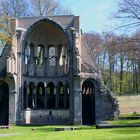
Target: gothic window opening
<point>27,54</point>
<point>31,96</point>
<point>52,56</point>
<point>60,95</point>
<point>40,95</point>
<point>51,95</point>
<point>39,53</point>
<point>62,57</point>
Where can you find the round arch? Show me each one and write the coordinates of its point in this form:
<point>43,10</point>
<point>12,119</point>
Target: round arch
<point>89,88</point>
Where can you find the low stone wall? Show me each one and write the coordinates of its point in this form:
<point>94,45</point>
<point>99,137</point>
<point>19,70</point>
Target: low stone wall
<point>40,117</point>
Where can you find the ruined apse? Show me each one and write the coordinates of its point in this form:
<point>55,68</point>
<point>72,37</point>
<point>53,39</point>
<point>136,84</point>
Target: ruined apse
<point>49,76</point>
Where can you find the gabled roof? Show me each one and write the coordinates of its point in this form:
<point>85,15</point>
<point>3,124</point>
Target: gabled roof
<point>64,20</point>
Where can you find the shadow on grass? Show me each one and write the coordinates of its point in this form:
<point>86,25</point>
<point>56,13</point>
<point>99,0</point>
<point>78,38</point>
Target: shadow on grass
<point>52,128</point>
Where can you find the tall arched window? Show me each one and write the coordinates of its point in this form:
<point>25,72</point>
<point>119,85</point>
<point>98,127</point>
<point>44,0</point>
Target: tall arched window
<point>39,53</point>
<point>40,95</point>
<point>51,95</point>
<point>27,53</point>
<point>52,56</point>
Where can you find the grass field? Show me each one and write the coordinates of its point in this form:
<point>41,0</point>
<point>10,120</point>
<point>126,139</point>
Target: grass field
<point>85,133</point>
<point>129,104</point>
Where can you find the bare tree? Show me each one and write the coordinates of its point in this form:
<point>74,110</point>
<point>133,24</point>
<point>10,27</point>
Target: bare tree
<point>47,8</point>
<point>93,41</point>
<point>129,10</point>
<point>15,8</point>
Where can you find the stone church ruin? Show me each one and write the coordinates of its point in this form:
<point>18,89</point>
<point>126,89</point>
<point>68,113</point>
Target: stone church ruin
<point>48,77</point>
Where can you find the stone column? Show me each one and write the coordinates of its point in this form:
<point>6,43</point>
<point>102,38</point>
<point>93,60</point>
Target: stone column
<point>35,58</point>
<point>46,65</point>
<point>77,101</point>
<point>56,66</point>
<point>12,106</point>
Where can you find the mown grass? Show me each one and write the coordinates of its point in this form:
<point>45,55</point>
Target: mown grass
<point>124,122</point>
<point>85,133</point>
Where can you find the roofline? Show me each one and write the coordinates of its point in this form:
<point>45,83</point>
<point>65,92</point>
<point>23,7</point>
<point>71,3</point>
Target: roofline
<point>47,16</point>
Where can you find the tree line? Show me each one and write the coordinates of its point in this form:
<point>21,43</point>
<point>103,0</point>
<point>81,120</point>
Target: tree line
<point>118,56</point>
<point>118,59</point>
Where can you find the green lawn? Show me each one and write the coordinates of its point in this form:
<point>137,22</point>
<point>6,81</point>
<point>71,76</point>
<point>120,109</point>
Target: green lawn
<point>124,122</point>
<point>85,133</point>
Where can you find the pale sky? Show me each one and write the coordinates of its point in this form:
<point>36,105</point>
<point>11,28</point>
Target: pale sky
<point>95,15</point>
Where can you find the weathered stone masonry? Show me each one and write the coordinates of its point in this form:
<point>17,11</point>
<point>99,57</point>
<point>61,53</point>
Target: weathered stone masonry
<point>50,76</point>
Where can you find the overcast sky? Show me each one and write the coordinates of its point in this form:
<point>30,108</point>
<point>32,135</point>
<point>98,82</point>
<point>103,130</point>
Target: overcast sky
<point>95,15</point>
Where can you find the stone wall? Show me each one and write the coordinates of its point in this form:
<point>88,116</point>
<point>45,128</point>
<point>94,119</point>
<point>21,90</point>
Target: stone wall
<point>38,117</point>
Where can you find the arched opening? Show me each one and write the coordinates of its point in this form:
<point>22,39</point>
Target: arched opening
<point>39,55</point>
<point>25,95</point>
<point>31,95</point>
<point>51,95</point>
<point>27,53</point>
<point>60,94</point>
<point>52,56</point>
<point>88,103</point>
<point>40,95</point>
<point>4,103</point>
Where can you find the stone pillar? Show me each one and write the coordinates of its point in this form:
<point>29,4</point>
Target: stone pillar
<point>35,58</point>
<point>71,74</point>
<point>46,65</point>
<point>12,107</point>
<point>77,101</point>
<point>56,65</point>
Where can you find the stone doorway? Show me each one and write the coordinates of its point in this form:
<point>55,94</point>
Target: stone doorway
<point>4,103</point>
<point>88,103</point>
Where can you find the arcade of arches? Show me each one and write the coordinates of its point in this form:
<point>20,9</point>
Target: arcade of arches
<point>46,97</point>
